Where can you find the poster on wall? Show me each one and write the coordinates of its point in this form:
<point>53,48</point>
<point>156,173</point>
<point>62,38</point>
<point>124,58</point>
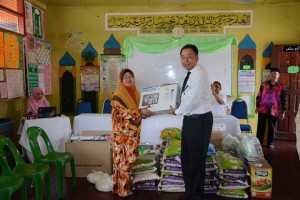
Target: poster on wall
<point>28,18</point>
<point>14,81</point>
<point>44,80</point>
<point>89,78</point>
<point>37,19</point>
<point>246,89</point>
<point>32,77</point>
<point>110,68</point>
<point>38,56</point>
<point>43,52</point>
<point>249,98</point>
<point>12,64</point>
<point>246,81</point>
<point>12,51</point>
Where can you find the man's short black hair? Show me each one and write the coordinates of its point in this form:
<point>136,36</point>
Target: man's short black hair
<point>274,69</point>
<point>190,46</point>
<point>218,83</point>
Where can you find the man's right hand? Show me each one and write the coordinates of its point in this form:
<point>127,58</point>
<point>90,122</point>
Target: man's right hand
<point>172,110</point>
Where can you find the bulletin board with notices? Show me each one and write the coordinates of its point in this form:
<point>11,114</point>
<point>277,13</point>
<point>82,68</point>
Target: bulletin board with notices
<point>38,56</point>
<point>11,66</point>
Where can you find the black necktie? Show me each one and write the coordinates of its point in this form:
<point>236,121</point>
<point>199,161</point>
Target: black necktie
<point>185,81</point>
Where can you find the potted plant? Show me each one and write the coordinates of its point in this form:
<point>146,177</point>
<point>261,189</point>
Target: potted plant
<point>89,57</point>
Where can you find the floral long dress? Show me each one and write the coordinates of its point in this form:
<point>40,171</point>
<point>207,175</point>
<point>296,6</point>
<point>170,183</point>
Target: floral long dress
<point>126,130</point>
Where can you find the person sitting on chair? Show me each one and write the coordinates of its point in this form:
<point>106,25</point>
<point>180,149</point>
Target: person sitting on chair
<point>219,100</point>
<point>36,101</point>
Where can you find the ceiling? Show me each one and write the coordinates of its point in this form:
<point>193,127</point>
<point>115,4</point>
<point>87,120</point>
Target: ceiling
<point>158,2</point>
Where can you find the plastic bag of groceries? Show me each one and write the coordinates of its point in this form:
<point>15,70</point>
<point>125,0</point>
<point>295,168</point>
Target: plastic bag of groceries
<point>230,144</point>
<point>105,183</point>
<point>249,146</point>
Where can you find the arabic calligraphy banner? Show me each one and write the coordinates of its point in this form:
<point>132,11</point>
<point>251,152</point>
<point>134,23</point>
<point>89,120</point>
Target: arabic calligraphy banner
<point>201,22</point>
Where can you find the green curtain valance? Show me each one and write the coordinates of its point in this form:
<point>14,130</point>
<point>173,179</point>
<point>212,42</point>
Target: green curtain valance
<point>158,44</point>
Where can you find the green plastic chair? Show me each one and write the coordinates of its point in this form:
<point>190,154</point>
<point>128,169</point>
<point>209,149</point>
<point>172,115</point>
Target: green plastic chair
<point>52,157</point>
<point>10,184</point>
<point>34,172</point>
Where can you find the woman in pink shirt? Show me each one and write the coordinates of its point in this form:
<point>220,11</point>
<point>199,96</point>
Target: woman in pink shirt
<point>36,101</point>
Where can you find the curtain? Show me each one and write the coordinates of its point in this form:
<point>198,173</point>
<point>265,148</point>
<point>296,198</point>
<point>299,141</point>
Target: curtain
<point>158,44</point>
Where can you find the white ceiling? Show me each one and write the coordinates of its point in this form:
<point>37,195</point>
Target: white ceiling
<point>158,2</point>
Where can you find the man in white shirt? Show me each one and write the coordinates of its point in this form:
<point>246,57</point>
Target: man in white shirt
<point>219,99</point>
<point>196,97</point>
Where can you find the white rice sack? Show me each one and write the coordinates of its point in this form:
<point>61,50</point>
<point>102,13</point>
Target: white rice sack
<point>230,165</point>
<point>210,188</point>
<point>210,167</point>
<point>233,185</point>
<point>145,187</point>
<point>173,189</point>
<point>146,169</point>
<point>145,177</point>
<point>233,178</point>
<point>104,184</point>
<point>209,177</point>
<point>237,193</point>
<point>143,162</point>
<point>171,173</point>
<point>94,176</point>
<point>164,184</point>
<point>172,169</point>
<point>170,162</point>
<point>170,177</point>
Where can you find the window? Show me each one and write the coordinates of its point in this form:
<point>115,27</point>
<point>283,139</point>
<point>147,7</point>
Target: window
<point>12,15</point>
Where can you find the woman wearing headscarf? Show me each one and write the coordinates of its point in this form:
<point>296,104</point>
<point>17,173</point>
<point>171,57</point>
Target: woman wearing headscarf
<point>36,101</point>
<point>126,118</point>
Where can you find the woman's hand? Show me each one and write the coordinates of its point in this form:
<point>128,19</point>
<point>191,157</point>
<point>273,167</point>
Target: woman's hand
<point>145,112</point>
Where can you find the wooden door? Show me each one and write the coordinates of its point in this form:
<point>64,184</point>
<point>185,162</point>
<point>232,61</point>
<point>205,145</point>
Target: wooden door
<point>283,57</point>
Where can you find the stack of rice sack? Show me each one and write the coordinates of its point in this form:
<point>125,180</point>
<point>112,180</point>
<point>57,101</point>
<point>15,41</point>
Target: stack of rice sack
<point>233,176</point>
<point>211,181</point>
<point>166,135</point>
<point>171,179</point>
<point>144,170</point>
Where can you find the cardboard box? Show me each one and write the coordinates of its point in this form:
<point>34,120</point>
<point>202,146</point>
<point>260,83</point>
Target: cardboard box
<point>90,156</point>
<point>216,139</point>
<point>160,98</point>
<point>95,132</point>
<point>93,135</point>
<point>261,179</point>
